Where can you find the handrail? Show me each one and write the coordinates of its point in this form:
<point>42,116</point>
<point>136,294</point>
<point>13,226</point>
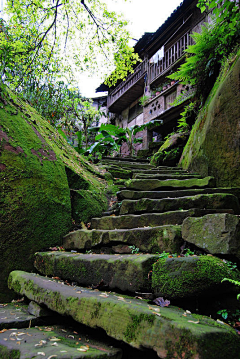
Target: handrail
<point>170,57</point>
<point>139,71</point>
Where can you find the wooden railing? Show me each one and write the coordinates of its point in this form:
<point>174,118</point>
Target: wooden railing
<point>132,79</point>
<point>170,57</point>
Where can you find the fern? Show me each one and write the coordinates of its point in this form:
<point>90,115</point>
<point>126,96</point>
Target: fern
<point>235,282</point>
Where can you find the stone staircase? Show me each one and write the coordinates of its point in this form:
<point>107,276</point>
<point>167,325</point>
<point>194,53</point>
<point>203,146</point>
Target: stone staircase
<point>125,275</point>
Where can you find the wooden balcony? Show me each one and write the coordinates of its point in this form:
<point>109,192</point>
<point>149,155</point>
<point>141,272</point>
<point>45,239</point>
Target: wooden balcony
<point>172,55</point>
<point>129,90</point>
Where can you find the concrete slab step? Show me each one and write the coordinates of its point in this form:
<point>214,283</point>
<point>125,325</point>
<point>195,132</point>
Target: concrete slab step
<point>149,239</point>
<point>203,201</point>
<point>53,342</point>
<point>135,195</point>
<point>129,272</point>
<point>171,184</point>
<point>165,330</point>
<point>150,219</point>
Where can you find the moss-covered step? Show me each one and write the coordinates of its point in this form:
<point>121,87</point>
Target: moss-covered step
<point>170,332</point>
<point>128,194</point>
<point>216,233</point>
<point>156,170</point>
<point>16,315</point>
<point>154,184</point>
<point>106,159</point>
<point>192,276</point>
<point>53,341</point>
<point>165,176</point>
<point>208,201</point>
<point>148,219</point>
<point>131,165</point>
<point>120,173</point>
<point>148,239</point>
<point>128,272</point>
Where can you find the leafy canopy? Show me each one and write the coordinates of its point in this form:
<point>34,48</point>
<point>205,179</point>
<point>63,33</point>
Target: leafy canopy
<point>66,36</point>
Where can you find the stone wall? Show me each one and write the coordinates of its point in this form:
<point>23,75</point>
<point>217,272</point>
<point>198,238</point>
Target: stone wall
<point>213,146</point>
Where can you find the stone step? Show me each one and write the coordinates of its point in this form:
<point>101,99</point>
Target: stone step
<point>155,184</point>
<point>53,341</point>
<point>203,201</point>
<point>149,239</point>
<point>217,233</point>
<point>129,272</point>
<point>16,315</point>
<point>169,330</point>
<point>124,159</point>
<point>150,219</point>
<point>135,195</point>
<point>165,176</point>
<point>130,165</point>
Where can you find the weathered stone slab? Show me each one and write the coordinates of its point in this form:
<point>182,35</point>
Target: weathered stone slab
<point>38,311</point>
<point>127,319</point>
<point>154,184</point>
<point>208,201</point>
<point>215,233</point>
<point>128,194</point>
<point>131,165</point>
<point>123,272</point>
<point>165,176</point>
<point>15,315</point>
<point>166,170</point>
<point>191,276</point>
<point>53,342</point>
<point>148,239</point>
<point>119,172</point>
<point>146,219</point>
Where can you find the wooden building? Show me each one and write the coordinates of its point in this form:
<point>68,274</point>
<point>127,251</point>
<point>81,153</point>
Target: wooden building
<point>161,52</point>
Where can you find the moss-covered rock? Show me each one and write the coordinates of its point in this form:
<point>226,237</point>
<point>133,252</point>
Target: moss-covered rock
<point>215,233</point>
<point>203,201</point>
<point>213,146</point>
<point>191,276</point>
<point>165,330</point>
<point>146,219</point>
<point>120,272</point>
<point>148,240</point>
<point>37,169</point>
<point>170,151</point>
<point>154,184</point>
<point>128,194</point>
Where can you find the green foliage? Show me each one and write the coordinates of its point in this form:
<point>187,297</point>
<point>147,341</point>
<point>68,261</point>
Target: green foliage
<point>231,265</point>
<point>110,137</point>
<point>144,100</point>
<point>212,45</point>
<point>233,282</point>
<point>223,313</point>
<point>134,250</point>
<point>186,117</point>
<point>42,35</point>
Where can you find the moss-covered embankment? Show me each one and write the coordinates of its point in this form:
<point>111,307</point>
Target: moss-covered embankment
<point>213,146</point>
<point>37,170</point>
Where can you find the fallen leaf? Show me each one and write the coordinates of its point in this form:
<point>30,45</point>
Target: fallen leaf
<point>161,302</point>
<point>41,353</point>
<point>3,330</point>
<point>192,321</point>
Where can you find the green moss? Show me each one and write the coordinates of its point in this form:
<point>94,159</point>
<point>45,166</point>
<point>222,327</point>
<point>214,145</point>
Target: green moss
<point>136,322</point>
<point>211,148</point>
<point>35,205</point>
<point>189,276</point>
<point>9,354</point>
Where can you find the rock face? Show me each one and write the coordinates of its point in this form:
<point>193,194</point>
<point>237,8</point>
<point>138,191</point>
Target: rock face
<point>215,233</point>
<point>37,167</point>
<point>213,146</point>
